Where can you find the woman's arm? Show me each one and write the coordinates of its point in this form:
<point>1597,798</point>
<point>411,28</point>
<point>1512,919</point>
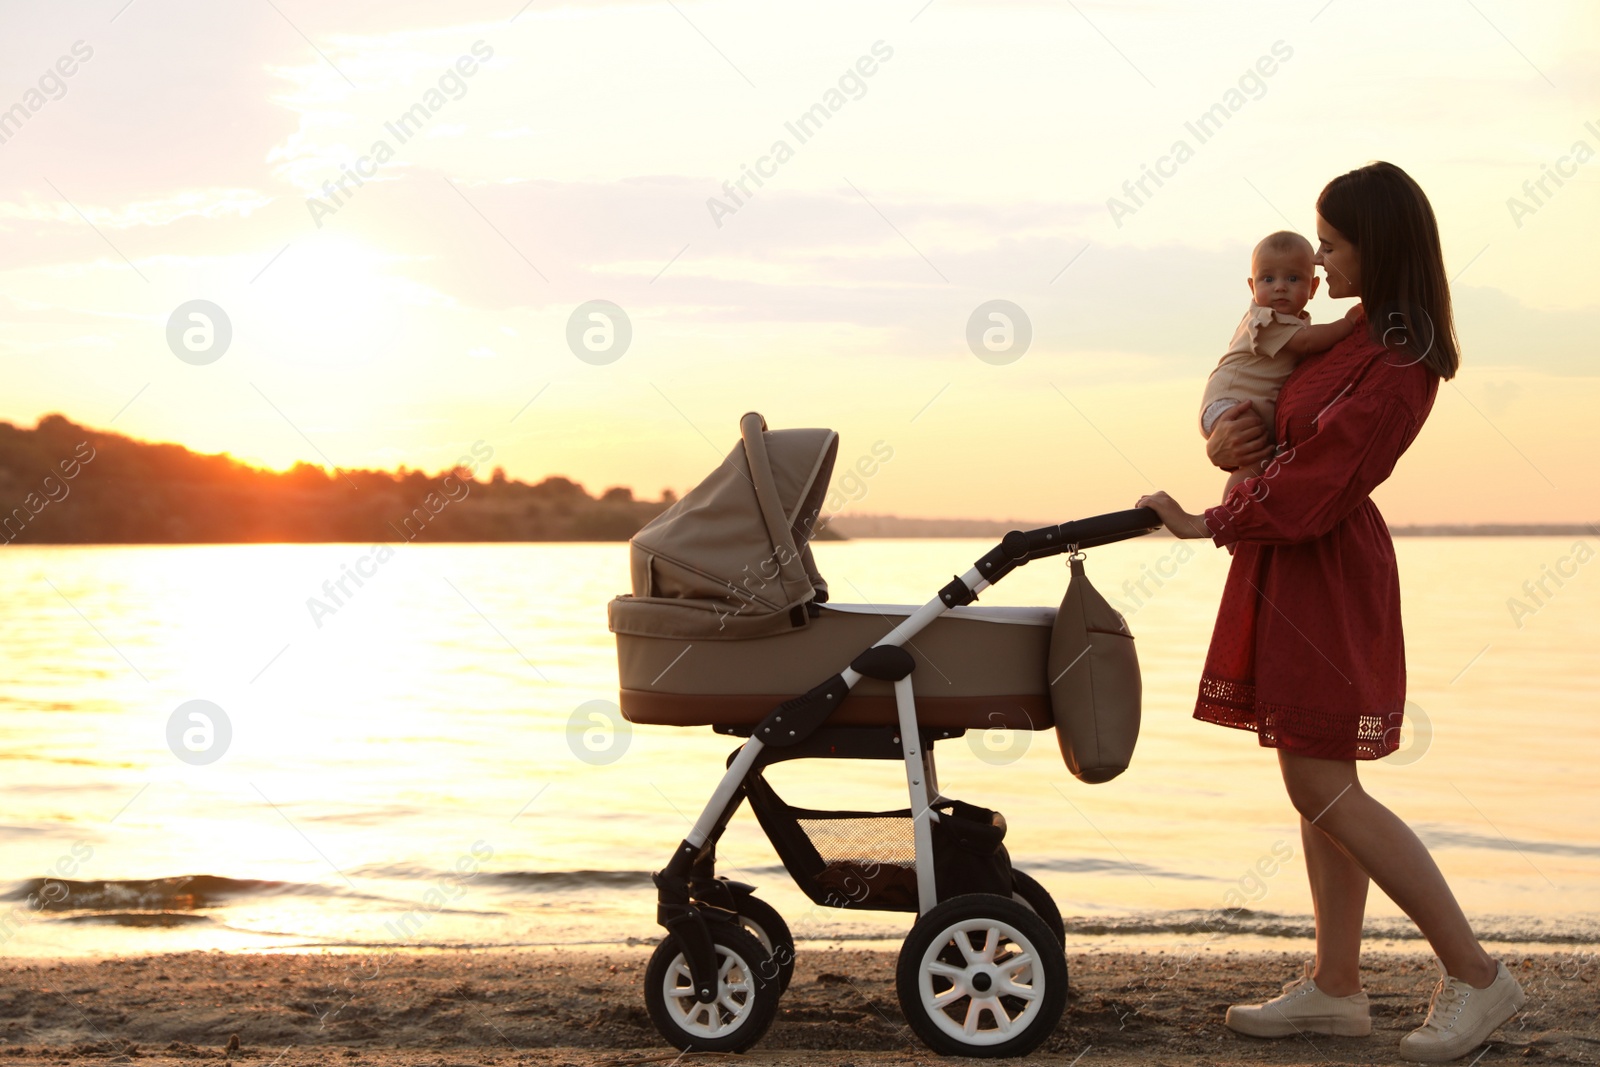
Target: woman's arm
<point>1308,489</point>
<point>1238,437</point>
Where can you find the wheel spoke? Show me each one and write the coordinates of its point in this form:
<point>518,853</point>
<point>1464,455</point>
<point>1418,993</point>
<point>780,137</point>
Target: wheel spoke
<point>964,943</point>
<point>949,996</point>
<point>1024,992</point>
<point>945,970</point>
<point>1010,966</point>
<point>682,982</point>
<point>734,1007</point>
<point>1002,1021</point>
<point>970,1026</point>
<point>992,944</point>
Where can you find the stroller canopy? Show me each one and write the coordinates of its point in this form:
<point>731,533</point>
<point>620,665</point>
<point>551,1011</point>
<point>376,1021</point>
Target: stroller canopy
<point>732,559</point>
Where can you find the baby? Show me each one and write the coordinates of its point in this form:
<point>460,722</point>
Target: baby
<point>1271,337</point>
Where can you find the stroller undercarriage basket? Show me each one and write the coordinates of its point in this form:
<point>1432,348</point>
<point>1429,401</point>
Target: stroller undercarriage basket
<point>868,859</point>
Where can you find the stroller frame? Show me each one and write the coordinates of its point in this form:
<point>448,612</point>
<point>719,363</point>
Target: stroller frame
<point>692,900</point>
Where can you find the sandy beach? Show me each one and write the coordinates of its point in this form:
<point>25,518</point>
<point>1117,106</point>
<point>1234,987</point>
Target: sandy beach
<point>582,1008</point>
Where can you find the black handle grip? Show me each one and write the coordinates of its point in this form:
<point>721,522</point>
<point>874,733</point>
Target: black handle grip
<point>1085,533</point>
<point>1104,529</point>
<point>1021,546</point>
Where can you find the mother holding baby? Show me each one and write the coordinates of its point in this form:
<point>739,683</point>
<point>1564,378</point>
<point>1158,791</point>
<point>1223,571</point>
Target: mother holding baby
<point>1307,650</point>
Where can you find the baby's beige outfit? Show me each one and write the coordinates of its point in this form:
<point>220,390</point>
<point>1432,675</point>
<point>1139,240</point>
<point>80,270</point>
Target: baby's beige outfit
<point>1253,368</point>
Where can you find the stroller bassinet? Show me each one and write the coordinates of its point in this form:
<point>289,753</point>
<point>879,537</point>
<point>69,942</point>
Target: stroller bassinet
<point>975,666</point>
<point>730,626</point>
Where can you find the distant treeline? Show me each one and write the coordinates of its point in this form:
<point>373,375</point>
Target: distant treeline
<point>61,483</point>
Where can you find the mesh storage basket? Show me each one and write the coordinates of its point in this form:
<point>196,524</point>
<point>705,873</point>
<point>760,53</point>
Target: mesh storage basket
<point>868,859</point>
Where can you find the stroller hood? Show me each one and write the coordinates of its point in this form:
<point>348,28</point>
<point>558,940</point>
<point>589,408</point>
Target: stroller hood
<point>732,558</point>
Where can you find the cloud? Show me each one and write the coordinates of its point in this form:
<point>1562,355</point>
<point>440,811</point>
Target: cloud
<point>189,203</point>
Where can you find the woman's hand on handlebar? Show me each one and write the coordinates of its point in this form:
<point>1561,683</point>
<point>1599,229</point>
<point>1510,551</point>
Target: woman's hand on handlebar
<point>1173,517</point>
<point>1238,438</point>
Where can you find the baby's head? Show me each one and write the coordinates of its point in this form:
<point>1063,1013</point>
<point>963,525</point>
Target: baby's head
<point>1282,272</point>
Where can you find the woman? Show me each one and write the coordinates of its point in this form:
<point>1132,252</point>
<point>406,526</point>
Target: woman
<point>1307,649</point>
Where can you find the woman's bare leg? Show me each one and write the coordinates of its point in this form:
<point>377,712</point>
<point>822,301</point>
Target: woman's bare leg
<point>1328,794</point>
<point>1339,900</point>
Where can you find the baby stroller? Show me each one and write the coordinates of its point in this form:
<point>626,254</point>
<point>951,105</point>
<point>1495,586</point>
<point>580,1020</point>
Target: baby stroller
<point>730,626</point>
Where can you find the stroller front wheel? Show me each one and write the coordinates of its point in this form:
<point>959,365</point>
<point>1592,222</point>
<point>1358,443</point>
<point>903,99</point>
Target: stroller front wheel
<point>745,1004</point>
<point>982,975</point>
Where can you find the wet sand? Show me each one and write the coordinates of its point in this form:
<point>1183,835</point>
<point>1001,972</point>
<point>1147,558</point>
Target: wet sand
<point>583,1008</point>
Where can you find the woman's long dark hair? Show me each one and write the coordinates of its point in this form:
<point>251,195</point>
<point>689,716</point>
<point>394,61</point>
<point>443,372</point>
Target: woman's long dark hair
<point>1386,215</point>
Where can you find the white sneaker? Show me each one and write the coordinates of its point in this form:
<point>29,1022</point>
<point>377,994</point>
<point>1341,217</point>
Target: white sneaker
<point>1461,1016</point>
<point>1302,1008</point>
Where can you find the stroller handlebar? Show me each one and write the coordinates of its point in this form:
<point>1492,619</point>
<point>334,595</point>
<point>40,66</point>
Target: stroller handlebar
<point>1084,533</point>
<point>1021,546</point>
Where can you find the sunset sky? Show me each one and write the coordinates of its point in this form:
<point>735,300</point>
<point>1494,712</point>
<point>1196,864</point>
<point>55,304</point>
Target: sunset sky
<point>427,308</point>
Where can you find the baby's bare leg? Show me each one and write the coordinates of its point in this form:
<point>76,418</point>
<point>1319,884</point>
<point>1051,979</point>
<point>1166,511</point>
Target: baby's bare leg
<point>1249,470</point>
<point>1238,476</point>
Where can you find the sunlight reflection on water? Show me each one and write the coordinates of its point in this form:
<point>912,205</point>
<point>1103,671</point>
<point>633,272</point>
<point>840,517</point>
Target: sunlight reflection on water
<point>421,727</point>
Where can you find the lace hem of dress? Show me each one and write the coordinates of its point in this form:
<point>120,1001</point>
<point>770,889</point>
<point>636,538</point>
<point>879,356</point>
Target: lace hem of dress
<point>1303,731</point>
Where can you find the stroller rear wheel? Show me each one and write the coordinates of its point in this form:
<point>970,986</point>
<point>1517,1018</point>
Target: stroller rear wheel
<point>1036,897</point>
<point>762,921</point>
<point>982,975</point>
<point>745,1004</point>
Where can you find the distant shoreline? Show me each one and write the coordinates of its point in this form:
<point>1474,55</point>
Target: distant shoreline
<point>871,527</point>
<point>1497,530</point>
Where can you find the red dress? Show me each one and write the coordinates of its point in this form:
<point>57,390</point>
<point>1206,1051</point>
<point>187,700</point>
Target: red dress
<point>1308,650</point>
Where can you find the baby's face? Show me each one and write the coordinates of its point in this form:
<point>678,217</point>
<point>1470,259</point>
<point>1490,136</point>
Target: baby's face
<point>1283,281</point>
